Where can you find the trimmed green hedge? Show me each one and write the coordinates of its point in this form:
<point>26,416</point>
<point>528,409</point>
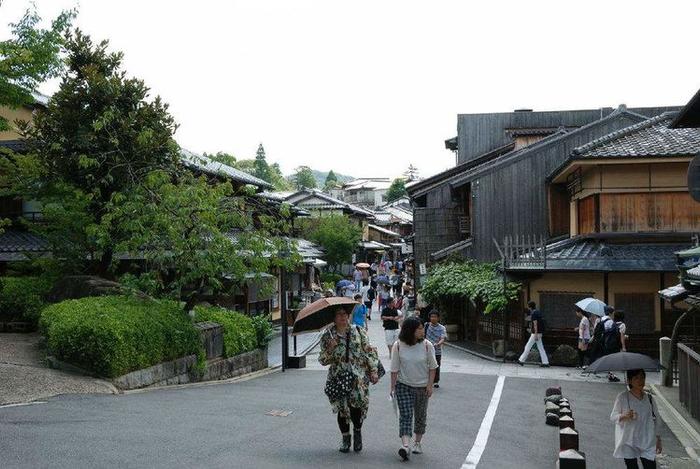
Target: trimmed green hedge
<point>113,335</point>
<point>22,298</point>
<point>240,335</point>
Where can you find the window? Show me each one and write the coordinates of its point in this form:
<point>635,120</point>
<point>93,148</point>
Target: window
<point>558,309</point>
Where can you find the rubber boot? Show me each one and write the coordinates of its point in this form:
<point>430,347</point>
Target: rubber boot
<point>345,444</point>
<point>357,439</point>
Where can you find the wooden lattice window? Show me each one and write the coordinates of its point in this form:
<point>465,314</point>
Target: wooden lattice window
<point>639,309</point>
<point>558,308</point>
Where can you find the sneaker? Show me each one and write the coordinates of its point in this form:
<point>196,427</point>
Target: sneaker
<point>520,363</point>
<point>403,453</point>
<point>417,448</point>
<point>544,365</point>
<point>436,385</point>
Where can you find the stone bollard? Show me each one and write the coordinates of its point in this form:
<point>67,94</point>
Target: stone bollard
<point>551,408</point>
<point>665,353</point>
<point>565,412</point>
<point>572,459</point>
<point>568,439</point>
<point>566,422</point>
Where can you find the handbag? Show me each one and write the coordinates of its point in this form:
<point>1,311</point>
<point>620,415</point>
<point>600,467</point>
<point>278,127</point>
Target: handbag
<point>339,385</point>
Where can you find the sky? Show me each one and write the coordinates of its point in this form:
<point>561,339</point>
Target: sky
<point>368,87</point>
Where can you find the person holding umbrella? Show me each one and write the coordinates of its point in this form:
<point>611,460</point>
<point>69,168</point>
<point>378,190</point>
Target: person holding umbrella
<point>636,424</point>
<point>348,351</point>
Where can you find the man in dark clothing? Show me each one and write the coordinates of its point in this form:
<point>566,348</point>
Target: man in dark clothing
<point>536,331</point>
<point>391,317</point>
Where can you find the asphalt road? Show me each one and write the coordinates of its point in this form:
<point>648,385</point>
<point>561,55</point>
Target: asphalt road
<point>225,425</point>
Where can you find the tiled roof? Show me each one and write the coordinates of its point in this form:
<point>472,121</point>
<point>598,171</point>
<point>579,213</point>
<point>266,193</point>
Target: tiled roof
<point>651,138</point>
<point>452,249</point>
<point>599,255</point>
<point>15,244</point>
<point>209,166</point>
<point>330,203</point>
<point>14,145</point>
<point>384,231</point>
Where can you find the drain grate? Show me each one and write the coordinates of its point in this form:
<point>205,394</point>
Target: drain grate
<point>279,413</point>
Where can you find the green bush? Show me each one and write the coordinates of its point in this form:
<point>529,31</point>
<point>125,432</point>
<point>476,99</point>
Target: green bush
<point>22,298</point>
<point>239,332</point>
<point>113,335</point>
<point>263,329</point>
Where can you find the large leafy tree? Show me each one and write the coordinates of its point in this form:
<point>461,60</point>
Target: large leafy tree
<point>304,178</point>
<point>99,137</point>
<point>31,56</point>
<point>337,234</point>
<point>397,189</point>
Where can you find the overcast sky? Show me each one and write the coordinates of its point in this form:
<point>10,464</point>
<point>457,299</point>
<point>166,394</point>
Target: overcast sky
<point>367,87</point>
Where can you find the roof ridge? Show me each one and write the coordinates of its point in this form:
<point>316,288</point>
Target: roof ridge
<point>648,122</point>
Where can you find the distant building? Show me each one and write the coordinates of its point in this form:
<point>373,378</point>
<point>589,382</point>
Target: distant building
<point>365,192</point>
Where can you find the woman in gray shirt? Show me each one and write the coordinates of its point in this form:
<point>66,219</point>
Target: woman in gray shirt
<point>413,368</point>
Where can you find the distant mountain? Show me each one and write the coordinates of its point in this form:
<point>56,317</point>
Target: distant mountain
<point>320,177</point>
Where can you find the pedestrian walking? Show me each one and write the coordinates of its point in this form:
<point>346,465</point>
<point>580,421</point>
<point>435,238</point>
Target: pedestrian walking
<point>359,313</point>
<point>398,288</point>
<point>371,297</point>
<point>619,318</point>
<point>606,339</point>
<point>584,336</point>
<point>364,291</point>
<point>384,295</point>
<point>436,333</point>
<point>391,318</point>
<point>636,424</point>
<point>413,366</point>
<point>352,359</point>
<point>357,278</point>
<point>536,331</point>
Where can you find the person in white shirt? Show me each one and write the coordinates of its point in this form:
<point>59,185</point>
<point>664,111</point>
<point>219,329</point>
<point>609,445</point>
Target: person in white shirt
<point>413,366</point>
<point>636,424</point>
<point>584,335</point>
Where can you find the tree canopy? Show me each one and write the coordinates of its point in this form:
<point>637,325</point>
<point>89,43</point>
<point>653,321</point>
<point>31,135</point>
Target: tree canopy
<point>30,57</point>
<point>331,181</point>
<point>397,189</point>
<point>337,234</point>
<point>304,178</point>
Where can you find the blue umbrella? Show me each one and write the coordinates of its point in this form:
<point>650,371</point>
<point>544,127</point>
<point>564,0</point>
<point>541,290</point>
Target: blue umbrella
<point>383,279</point>
<point>343,283</point>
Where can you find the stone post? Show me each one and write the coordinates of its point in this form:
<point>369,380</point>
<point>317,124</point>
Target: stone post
<point>665,353</point>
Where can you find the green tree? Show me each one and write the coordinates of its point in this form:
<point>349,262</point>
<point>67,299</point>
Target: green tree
<point>262,170</point>
<point>277,178</point>
<point>223,158</point>
<point>337,234</point>
<point>98,138</point>
<point>397,189</point>
<point>198,236</point>
<point>331,181</point>
<point>30,57</point>
<point>304,178</point>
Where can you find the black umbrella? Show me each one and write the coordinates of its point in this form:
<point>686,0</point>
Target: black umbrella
<point>321,313</point>
<point>624,361</point>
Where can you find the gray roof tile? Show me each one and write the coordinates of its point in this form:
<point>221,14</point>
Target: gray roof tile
<point>651,138</point>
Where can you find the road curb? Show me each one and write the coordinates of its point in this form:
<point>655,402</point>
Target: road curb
<point>237,379</point>
<point>686,434</point>
<point>476,354</point>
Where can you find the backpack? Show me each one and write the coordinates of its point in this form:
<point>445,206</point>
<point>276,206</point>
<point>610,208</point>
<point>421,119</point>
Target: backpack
<point>611,339</point>
<point>599,331</point>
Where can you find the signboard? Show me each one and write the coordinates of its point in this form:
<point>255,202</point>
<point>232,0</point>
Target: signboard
<point>354,258</point>
<point>422,270</point>
<point>406,248</point>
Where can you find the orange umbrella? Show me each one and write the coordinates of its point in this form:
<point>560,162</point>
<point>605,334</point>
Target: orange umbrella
<point>321,313</point>
<point>362,265</point>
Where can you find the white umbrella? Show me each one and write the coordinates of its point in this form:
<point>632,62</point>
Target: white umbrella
<point>593,306</point>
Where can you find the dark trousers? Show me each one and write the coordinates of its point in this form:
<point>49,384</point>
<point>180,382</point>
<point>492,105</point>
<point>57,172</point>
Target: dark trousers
<point>369,309</point>
<point>437,370</point>
<point>581,357</point>
<point>646,464</point>
<point>355,416</point>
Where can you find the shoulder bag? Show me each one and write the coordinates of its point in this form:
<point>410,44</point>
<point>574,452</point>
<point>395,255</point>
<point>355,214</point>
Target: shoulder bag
<point>340,384</point>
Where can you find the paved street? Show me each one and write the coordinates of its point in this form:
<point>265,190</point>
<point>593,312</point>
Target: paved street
<point>224,425</point>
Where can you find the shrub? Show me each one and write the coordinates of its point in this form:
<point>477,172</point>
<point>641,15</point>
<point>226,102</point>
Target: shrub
<point>239,332</point>
<point>113,335</point>
<point>23,298</point>
<point>263,329</point>
<point>329,277</point>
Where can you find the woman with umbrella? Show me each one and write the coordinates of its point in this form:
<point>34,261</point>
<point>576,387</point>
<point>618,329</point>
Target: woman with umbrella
<point>349,353</point>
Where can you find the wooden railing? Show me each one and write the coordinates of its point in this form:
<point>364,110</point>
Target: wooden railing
<point>524,251</point>
<point>689,379</point>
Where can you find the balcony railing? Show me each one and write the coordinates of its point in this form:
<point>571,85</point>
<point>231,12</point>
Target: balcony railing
<point>524,251</point>
<point>689,379</point>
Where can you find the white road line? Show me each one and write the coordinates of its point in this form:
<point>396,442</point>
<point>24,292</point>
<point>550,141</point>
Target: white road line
<point>20,404</point>
<point>482,437</point>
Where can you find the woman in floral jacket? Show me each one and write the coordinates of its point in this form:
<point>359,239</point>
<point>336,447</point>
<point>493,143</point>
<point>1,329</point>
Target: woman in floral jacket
<point>363,362</point>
